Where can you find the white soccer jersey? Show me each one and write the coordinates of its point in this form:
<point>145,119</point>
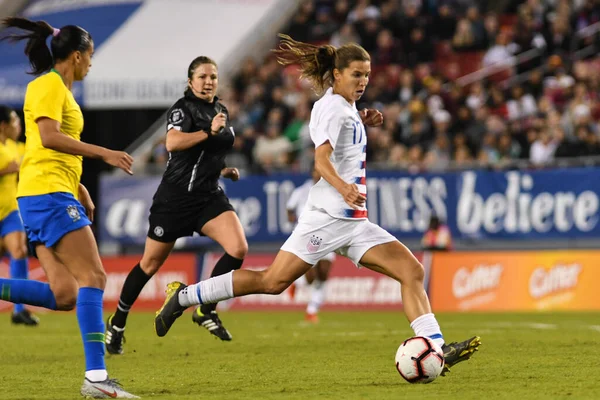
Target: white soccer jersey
<point>299,197</point>
<point>335,120</point>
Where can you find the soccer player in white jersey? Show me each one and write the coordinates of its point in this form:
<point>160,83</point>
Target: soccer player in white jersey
<point>316,276</point>
<point>335,218</point>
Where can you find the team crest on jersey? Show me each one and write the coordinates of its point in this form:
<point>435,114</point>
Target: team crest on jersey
<point>313,244</point>
<point>73,213</point>
<point>159,231</point>
<point>176,116</point>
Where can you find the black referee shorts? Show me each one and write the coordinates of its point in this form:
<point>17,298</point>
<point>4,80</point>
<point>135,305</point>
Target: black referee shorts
<point>174,215</point>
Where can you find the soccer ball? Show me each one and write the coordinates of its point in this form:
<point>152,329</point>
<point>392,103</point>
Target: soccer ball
<point>419,360</point>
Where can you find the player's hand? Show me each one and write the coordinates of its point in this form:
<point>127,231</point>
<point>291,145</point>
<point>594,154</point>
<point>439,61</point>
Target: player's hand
<point>86,201</point>
<point>12,167</point>
<point>218,123</point>
<point>119,159</point>
<point>352,197</point>
<point>371,117</point>
<point>230,173</point>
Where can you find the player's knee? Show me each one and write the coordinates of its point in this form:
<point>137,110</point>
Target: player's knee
<point>238,250</point>
<point>416,273</point>
<point>151,265</point>
<point>95,278</point>
<point>19,252</point>
<point>273,285</point>
<point>65,296</point>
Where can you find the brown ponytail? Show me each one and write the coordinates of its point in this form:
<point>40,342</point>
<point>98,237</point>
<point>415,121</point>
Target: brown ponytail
<point>318,62</point>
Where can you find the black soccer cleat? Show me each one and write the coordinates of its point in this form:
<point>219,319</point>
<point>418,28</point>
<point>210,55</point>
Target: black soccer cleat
<point>171,309</point>
<point>114,337</point>
<point>457,352</point>
<point>26,318</point>
<point>212,323</point>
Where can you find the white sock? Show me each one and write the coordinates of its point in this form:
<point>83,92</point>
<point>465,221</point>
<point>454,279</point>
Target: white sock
<point>209,291</point>
<point>96,375</point>
<point>301,282</point>
<point>317,297</point>
<point>426,325</point>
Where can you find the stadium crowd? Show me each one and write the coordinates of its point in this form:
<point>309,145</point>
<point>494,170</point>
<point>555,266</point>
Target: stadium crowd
<point>536,99</point>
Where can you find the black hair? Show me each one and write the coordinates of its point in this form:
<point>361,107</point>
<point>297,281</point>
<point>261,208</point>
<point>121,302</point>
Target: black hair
<point>65,41</point>
<point>194,64</point>
<point>5,114</point>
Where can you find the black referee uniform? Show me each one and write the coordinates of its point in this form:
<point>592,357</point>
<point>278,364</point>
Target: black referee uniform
<point>189,194</point>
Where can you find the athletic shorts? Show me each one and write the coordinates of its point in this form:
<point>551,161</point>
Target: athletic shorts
<point>318,234</point>
<point>174,215</point>
<point>49,217</point>
<point>11,223</point>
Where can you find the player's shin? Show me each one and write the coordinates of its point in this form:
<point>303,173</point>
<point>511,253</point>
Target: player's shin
<point>418,311</point>
<point>29,292</point>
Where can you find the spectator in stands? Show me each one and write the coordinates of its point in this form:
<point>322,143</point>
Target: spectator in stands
<point>324,27</point>
<point>464,38</point>
<point>387,51</point>
<point>438,236</point>
<point>501,54</point>
<point>478,28</point>
<point>418,48</point>
<point>346,34</point>
<point>362,11</point>
<point>521,105</point>
<point>272,150</point>
<point>542,150</point>
<point>444,22</point>
<point>558,37</point>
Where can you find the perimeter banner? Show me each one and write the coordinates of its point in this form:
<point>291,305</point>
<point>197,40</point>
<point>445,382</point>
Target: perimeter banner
<point>515,281</point>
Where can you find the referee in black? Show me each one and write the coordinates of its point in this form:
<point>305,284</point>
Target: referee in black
<point>189,198</point>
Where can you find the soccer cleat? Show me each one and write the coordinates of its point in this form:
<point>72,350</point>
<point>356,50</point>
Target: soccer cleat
<point>114,337</point>
<point>312,318</point>
<point>171,309</point>
<point>107,389</point>
<point>212,322</point>
<point>25,317</point>
<point>457,352</point>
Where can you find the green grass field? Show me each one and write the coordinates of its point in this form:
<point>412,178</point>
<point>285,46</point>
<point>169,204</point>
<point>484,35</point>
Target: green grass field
<point>278,356</point>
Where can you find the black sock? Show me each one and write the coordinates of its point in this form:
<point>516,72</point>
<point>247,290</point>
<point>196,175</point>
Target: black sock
<point>135,282</point>
<point>225,264</point>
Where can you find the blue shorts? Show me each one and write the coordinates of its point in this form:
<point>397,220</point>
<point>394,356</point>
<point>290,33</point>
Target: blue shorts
<point>12,223</point>
<point>49,217</point>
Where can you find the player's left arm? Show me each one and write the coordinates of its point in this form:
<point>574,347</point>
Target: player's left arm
<point>86,201</point>
<point>371,117</point>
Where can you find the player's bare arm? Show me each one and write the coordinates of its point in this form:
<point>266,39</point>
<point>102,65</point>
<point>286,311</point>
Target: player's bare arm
<point>53,138</point>
<point>325,168</point>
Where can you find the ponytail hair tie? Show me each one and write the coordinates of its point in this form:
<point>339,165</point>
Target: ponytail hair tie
<point>55,32</point>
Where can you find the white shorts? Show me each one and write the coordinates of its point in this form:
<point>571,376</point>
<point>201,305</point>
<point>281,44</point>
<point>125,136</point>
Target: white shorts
<point>319,234</point>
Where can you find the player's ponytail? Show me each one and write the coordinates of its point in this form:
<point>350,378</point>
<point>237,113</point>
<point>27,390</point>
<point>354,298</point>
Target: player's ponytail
<point>36,50</point>
<point>318,62</point>
<point>65,41</point>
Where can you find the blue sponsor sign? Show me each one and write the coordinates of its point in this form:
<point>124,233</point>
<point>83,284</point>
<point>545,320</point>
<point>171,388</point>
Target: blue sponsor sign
<point>552,204</point>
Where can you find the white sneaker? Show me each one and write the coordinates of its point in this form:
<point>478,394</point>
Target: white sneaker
<point>107,389</point>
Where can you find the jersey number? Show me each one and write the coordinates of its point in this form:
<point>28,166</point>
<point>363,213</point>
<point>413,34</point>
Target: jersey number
<point>360,128</point>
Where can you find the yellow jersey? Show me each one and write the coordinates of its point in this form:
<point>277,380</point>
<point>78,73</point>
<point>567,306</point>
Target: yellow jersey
<point>44,170</point>
<point>9,152</point>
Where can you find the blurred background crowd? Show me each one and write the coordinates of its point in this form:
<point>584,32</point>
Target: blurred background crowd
<point>460,83</point>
